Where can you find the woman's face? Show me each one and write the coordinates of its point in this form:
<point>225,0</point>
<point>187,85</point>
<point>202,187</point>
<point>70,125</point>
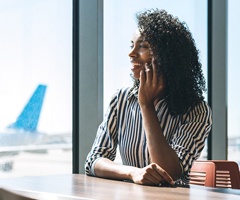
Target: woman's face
<point>139,55</point>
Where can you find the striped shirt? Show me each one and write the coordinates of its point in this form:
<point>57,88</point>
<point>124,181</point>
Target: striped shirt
<point>123,127</point>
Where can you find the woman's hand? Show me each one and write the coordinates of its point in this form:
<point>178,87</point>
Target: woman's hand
<point>152,174</point>
<point>151,85</point>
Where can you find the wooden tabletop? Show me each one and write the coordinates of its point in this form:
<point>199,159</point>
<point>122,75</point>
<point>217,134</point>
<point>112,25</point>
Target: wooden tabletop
<point>78,186</point>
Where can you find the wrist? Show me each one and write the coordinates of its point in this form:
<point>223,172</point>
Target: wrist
<point>147,107</point>
<point>131,172</point>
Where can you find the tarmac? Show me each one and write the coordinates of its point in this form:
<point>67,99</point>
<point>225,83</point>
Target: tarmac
<point>38,164</point>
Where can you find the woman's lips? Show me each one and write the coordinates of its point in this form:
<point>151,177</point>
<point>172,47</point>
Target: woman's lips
<point>136,65</point>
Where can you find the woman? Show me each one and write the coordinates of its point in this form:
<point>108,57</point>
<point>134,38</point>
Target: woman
<point>161,123</point>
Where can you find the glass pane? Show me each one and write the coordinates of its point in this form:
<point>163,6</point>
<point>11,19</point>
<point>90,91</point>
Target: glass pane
<point>35,87</point>
<point>120,24</point>
<point>233,81</point>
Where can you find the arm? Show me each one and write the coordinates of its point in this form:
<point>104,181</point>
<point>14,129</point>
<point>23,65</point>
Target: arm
<point>149,175</point>
<point>105,143</point>
<point>151,87</point>
<point>100,159</point>
<point>189,139</point>
<point>160,151</point>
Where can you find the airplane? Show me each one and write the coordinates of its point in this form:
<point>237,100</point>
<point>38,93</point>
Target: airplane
<point>23,136</point>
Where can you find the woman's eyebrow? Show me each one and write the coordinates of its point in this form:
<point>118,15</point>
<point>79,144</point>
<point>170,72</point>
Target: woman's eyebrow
<point>138,41</point>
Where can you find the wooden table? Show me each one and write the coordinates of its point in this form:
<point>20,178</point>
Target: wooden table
<point>78,186</point>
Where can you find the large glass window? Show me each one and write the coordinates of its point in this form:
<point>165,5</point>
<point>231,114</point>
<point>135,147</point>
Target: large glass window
<point>233,81</point>
<point>120,24</point>
<point>35,87</point>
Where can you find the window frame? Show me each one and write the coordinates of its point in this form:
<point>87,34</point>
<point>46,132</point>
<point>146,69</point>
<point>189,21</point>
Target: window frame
<point>88,77</point>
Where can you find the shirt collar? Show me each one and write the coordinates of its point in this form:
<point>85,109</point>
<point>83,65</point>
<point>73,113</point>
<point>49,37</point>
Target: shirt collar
<point>134,90</point>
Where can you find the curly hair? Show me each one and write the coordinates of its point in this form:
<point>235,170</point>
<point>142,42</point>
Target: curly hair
<point>176,55</point>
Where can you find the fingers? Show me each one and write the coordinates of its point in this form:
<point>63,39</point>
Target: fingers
<point>142,78</point>
<point>146,75</point>
<point>151,180</point>
<point>164,174</point>
<point>155,177</point>
<point>151,73</point>
<point>148,72</point>
<point>152,174</point>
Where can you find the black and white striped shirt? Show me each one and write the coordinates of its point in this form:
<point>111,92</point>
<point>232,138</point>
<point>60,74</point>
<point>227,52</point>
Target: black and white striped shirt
<point>122,126</point>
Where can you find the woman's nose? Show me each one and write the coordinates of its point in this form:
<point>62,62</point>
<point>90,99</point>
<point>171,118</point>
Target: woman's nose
<point>133,52</point>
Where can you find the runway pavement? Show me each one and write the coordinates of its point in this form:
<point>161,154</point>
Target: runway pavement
<point>37,164</point>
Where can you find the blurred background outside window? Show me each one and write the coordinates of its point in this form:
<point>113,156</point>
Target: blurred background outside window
<point>120,24</point>
<point>233,83</point>
<point>35,87</point>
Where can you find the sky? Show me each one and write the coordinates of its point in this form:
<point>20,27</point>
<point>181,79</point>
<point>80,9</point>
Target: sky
<point>36,48</point>
<point>233,79</point>
<point>119,25</point>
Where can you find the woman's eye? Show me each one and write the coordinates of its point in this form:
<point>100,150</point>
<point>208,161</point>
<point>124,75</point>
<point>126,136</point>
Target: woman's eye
<point>140,46</point>
<point>143,46</point>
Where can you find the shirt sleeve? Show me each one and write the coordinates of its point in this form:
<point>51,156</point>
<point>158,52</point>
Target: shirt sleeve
<point>105,143</point>
<point>189,139</point>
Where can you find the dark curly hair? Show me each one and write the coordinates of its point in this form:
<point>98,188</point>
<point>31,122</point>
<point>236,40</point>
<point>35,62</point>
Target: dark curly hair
<point>176,56</point>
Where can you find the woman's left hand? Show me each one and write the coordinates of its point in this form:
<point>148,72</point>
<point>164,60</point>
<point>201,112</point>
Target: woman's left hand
<point>151,85</point>
<point>152,174</point>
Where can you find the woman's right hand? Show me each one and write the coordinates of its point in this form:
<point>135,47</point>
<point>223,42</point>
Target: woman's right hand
<point>152,174</point>
<point>152,85</point>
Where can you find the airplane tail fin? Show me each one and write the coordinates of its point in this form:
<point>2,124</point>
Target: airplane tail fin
<point>28,118</point>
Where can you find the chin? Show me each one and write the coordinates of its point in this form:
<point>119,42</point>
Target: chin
<point>135,75</point>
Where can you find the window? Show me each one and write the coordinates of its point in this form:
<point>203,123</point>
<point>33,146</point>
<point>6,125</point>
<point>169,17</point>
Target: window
<point>120,24</point>
<point>36,52</point>
<point>233,82</point>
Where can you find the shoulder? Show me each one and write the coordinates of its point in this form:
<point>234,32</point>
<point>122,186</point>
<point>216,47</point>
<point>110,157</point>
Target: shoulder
<point>202,107</point>
<point>124,90</point>
<point>119,96</point>
<point>121,93</point>
<point>201,111</point>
